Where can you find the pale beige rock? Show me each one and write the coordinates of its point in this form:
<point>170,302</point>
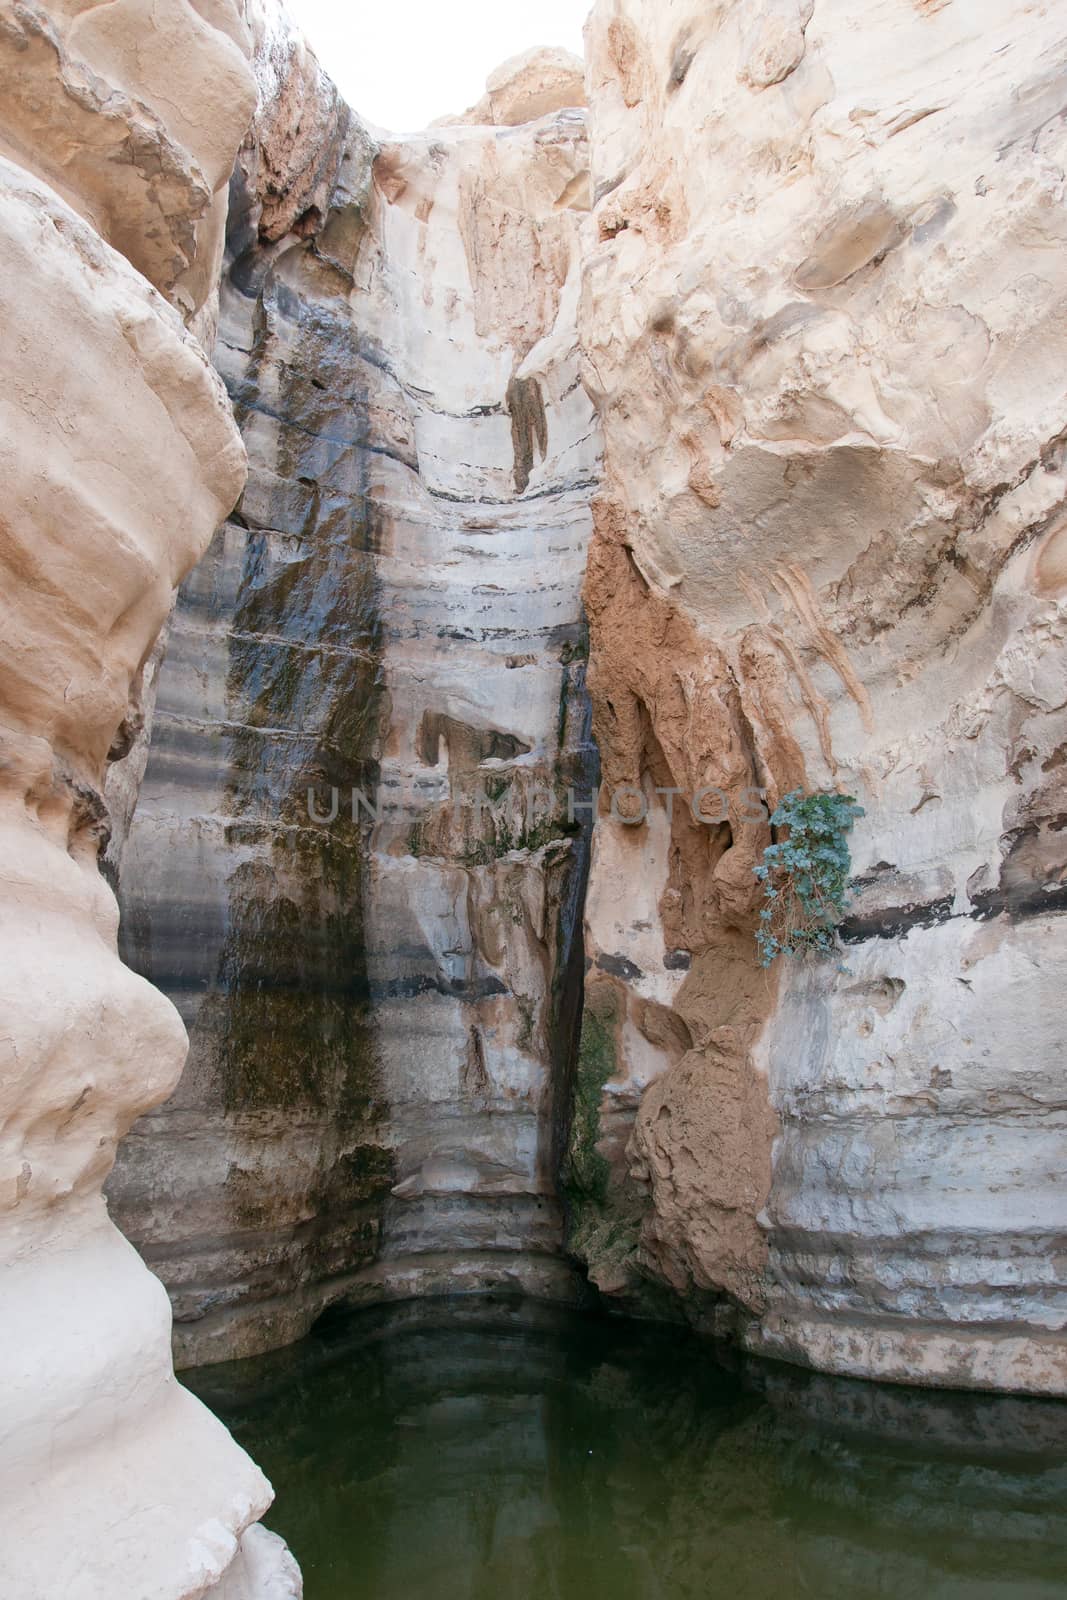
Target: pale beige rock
<point>300,129</point>
<point>473,280</point>
<point>821,314</point>
<point>132,111</point>
<point>537,83</point>
<point>119,457</point>
<point>823,320</point>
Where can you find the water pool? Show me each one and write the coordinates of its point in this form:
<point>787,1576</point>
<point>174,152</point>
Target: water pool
<point>468,1451</point>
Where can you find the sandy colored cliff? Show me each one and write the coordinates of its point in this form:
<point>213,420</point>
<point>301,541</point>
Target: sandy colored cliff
<point>822,319</point>
<point>120,457</point>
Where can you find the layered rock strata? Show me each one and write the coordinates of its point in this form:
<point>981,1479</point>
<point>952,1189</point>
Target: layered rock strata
<point>120,456</point>
<point>352,865</point>
<point>479,859</point>
<point>823,322</point>
<point>821,318</point>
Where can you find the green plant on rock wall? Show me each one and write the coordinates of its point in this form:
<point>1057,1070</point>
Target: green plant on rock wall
<point>586,1173</point>
<point>805,876</point>
<point>604,1212</point>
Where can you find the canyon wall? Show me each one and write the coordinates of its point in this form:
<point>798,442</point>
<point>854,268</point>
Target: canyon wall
<point>809,302</point>
<point>117,132</point>
<point>352,864</point>
<point>823,320</point>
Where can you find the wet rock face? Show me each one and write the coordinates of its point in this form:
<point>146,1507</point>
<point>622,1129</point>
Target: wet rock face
<point>352,865</point>
<point>240,906</point>
<point>822,319</point>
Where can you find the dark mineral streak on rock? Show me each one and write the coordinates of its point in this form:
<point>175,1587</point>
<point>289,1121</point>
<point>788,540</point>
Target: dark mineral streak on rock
<point>236,903</point>
<point>619,967</point>
<point>382,994</point>
<point>529,426</point>
<point>895,921</point>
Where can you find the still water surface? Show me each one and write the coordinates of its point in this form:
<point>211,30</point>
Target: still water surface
<point>455,1451</point>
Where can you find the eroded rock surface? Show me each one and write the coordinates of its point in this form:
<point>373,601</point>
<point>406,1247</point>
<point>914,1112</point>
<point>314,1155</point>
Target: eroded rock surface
<point>113,1479</point>
<point>381,1003</point>
<point>132,112</point>
<point>535,84</point>
<point>479,862</point>
<point>823,321</point>
<point>820,308</point>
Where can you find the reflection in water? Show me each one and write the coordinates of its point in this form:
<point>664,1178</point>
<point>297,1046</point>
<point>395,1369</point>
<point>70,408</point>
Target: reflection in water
<point>457,1451</point>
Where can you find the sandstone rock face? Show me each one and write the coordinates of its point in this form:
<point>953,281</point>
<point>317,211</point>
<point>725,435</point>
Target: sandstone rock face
<point>478,863</point>
<point>819,304</point>
<point>380,1000</point>
<point>132,112</point>
<point>535,84</point>
<point>120,456</point>
<point>822,318</point>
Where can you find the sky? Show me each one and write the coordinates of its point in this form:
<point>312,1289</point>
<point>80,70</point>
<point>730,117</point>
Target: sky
<point>402,63</point>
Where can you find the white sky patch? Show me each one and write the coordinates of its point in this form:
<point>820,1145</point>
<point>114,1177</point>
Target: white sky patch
<point>402,64</point>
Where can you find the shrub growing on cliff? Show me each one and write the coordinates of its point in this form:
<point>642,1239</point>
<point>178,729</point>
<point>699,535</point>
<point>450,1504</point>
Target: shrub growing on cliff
<point>805,876</point>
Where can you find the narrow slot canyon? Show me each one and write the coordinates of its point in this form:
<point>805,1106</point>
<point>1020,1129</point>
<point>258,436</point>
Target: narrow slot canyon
<point>532,732</point>
<point>382,1004</point>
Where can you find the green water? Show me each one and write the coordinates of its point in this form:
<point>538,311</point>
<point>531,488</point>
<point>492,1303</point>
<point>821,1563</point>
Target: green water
<point>461,1452</point>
